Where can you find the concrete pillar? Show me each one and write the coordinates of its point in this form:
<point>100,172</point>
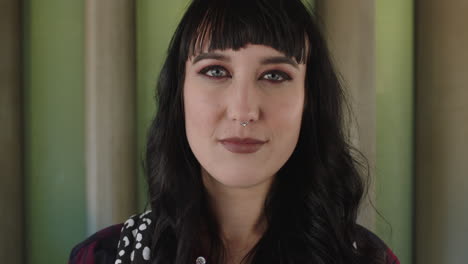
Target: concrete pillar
<point>110,96</point>
<point>11,174</point>
<point>442,132</point>
<point>349,28</point>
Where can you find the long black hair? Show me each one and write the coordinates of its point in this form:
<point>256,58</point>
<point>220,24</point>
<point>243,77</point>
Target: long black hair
<point>311,208</point>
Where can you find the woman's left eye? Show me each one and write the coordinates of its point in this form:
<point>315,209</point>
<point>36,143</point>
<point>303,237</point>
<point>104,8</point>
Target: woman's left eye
<point>276,76</point>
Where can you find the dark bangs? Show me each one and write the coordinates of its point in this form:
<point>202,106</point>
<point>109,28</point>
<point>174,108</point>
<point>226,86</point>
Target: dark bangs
<point>232,24</point>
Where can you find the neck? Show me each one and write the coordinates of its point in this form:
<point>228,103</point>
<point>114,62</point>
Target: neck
<point>239,213</point>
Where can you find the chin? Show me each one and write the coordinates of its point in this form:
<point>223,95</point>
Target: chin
<point>240,179</point>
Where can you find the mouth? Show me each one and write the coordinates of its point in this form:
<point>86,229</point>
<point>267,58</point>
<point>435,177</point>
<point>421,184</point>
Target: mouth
<point>242,145</point>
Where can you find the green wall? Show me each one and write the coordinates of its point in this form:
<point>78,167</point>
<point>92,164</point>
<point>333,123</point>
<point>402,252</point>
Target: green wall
<point>156,22</point>
<point>54,140</point>
<point>395,92</point>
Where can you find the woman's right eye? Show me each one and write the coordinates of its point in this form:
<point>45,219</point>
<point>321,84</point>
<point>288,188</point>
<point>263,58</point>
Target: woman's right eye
<point>215,72</point>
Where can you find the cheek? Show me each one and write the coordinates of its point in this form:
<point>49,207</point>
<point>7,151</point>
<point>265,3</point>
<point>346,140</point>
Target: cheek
<point>285,113</point>
<point>285,118</point>
<point>200,114</point>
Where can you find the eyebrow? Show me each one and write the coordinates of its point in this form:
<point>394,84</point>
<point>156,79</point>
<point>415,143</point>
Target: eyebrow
<point>280,60</point>
<point>265,61</point>
<point>211,55</point>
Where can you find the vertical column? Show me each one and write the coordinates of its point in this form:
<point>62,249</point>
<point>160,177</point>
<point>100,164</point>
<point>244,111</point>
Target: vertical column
<point>11,174</point>
<point>110,112</point>
<point>395,118</point>
<point>442,132</point>
<point>54,140</point>
<point>349,28</point>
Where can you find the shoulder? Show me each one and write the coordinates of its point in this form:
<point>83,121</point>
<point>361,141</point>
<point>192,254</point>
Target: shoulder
<point>115,242</point>
<point>366,238</point>
<point>101,247</point>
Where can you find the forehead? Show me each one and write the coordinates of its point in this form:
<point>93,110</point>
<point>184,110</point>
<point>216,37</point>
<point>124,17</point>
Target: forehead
<point>206,48</point>
<point>209,38</point>
<point>254,50</point>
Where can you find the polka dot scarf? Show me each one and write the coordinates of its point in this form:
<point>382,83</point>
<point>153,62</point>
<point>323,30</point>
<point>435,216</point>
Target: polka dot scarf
<point>135,240</point>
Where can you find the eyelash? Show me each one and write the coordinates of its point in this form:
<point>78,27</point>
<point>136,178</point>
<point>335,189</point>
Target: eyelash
<point>284,76</point>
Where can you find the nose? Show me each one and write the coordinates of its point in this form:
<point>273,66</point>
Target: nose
<point>243,102</point>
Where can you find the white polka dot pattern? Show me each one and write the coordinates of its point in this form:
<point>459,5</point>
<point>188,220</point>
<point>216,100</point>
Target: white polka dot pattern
<point>129,223</point>
<point>146,253</point>
<point>135,240</point>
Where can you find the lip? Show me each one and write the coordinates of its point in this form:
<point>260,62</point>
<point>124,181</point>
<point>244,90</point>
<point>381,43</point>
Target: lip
<point>242,145</point>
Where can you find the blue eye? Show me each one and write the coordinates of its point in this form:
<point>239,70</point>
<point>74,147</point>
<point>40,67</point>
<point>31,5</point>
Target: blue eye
<point>215,72</point>
<point>276,76</point>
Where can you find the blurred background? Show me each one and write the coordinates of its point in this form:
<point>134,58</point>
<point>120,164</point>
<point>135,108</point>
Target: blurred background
<point>77,95</point>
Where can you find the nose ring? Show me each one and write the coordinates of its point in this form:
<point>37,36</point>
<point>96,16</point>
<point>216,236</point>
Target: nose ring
<point>244,124</point>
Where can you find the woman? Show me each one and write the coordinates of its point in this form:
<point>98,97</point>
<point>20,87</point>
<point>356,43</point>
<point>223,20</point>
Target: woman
<point>247,159</point>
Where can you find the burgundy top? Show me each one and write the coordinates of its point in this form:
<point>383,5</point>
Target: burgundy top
<point>101,248</point>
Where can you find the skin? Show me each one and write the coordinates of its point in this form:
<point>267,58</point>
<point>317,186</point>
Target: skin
<point>223,88</point>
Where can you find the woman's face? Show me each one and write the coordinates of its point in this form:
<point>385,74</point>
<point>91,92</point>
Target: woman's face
<point>243,112</point>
